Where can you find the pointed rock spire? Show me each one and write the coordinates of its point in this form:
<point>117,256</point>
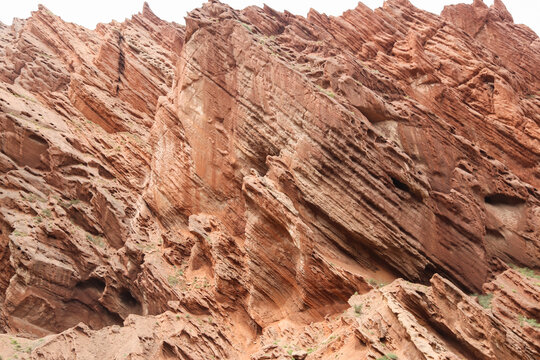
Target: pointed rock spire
<point>479,3</point>
<point>503,11</point>
<point>149,14</point>
<point>146,10</point>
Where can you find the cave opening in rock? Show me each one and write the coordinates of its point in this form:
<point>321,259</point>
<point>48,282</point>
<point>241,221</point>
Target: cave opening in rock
<point>400,185</point>
<point>129,301</point>
<point>92,283</point>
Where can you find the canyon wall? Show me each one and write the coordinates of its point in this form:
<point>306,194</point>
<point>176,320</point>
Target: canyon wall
<point>261,185</point>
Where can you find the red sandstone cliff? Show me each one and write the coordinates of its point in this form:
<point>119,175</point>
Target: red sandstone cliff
<point>259,185</point>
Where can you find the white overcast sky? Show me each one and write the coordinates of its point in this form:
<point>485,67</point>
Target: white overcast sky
<point>90,12</point>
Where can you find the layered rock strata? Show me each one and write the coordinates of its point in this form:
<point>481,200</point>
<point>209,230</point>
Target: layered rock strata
<point>260,185</point>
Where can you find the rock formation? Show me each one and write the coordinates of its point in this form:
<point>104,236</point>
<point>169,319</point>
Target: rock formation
<point>258,185</point>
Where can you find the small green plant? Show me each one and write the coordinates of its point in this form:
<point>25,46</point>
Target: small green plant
<point>69,203</point>
<point>484,300</point>
<point>24,97</point>
<point>177,278</point>
<point>173,281</point>
<point>46,213</point>
<point>96,240</point>
<point>375,283</point>
<point>530,322</point>
<point>246,26</point>
<point>33,198</point>
<point>326,92</point>
<point>16,346</point>
<point>44,54</point>
<point>525,271</point>
<point>358,309</point>
<point>19,233</point>
<point>388,356</point>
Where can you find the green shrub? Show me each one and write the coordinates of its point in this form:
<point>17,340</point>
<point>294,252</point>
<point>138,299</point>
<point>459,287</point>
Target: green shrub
<point>24,97</point>
<point>246,26</point>
<point>326,92</point>
<point>484,300</point>
<point>96,240</point>
<point>358,309</point>
<point>46,213</point>
<point>525,271</point>
<point>531,322</point>
<point>173,281</point>
<point>375,283</point>
<point>388,356</point>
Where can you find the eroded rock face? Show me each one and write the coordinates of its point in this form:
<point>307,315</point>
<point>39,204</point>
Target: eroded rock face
<point>244,186</point>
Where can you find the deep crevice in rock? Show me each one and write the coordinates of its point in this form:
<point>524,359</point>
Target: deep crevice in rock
<point>401,185</point>
<point>6,270</point>
<point>127,300</point>
<point>503,199</point>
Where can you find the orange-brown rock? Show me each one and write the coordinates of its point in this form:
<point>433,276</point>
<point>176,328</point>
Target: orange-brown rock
<point>260,185</point>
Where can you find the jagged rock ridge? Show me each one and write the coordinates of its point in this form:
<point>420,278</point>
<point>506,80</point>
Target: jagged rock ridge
<point>259,185</point>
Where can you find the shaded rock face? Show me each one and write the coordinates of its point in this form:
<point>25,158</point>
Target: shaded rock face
<point>245,186</point>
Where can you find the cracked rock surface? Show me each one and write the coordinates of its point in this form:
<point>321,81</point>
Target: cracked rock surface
<point>257,185</point>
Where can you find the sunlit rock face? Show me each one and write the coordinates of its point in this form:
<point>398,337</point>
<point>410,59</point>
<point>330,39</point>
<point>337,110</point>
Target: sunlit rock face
<point>260,185</point>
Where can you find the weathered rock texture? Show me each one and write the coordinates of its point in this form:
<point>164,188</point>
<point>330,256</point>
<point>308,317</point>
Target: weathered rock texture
<point>245,186</point>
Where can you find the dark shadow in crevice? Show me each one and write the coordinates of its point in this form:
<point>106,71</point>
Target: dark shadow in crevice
<point>130,302</point>
<point>503,199</point>
<point>6,270</point>
<point>93,284</point>
<point>401,185</point>
<point>494,234</point>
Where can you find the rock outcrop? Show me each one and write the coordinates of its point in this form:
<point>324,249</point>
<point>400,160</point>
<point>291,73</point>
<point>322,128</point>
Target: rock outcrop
<point>260,185</point>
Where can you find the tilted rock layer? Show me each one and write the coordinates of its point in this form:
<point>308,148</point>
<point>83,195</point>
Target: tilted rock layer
<point>260,185</point>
